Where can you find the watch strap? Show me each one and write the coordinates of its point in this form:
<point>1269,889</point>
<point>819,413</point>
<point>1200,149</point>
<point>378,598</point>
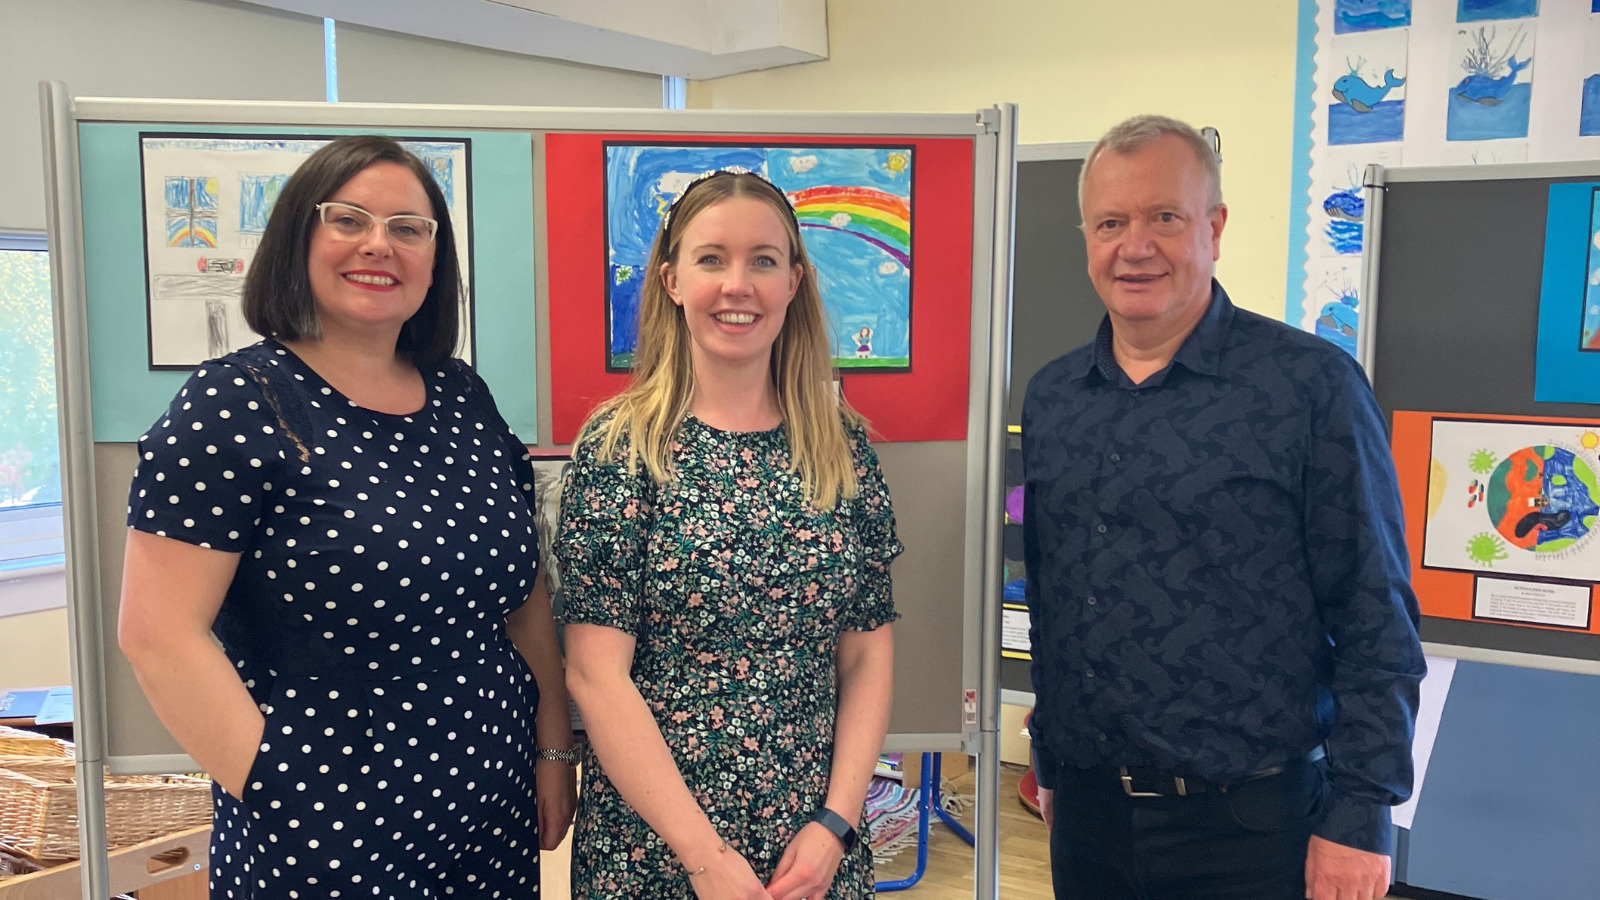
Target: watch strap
<point>836,825</point>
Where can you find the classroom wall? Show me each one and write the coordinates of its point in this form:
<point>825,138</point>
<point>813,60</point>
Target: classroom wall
<point>208,49</point>
<point>33,650</point>
<point>1076,68</point>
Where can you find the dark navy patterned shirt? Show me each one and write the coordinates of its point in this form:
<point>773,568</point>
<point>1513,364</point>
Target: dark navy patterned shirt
<point>1217,572</point>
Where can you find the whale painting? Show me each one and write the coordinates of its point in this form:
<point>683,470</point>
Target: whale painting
<point>1368,104</point>
<point>1490,101</point>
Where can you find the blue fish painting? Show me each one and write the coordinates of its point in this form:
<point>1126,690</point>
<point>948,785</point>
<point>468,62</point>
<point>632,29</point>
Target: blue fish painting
<point>1490,103</point>
<point>1352,89</point>
<point>1371,15</point>
<point>1484,10</point>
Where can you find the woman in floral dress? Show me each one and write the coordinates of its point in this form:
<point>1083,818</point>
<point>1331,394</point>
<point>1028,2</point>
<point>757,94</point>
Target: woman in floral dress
<point>725,545</point>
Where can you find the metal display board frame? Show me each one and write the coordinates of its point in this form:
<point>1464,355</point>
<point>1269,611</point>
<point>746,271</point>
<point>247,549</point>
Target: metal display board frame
<point>89,478</point>
<point>1386,190</point>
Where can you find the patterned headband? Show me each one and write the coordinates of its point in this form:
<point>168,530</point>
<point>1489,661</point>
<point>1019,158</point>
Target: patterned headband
<point>666,219</point>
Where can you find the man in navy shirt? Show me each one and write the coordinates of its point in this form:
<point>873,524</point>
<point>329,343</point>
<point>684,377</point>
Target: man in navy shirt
<point>1225,652</point>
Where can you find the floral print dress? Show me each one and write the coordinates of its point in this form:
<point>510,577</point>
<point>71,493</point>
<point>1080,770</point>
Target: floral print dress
<point>736,590</point>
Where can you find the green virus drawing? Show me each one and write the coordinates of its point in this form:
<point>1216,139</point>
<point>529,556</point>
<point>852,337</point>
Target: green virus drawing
<point>1486,547</point>
<point>1481,461</point>
<point>626,272</point>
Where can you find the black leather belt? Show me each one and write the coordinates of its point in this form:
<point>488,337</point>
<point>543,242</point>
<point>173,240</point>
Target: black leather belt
<point>1149,781</point>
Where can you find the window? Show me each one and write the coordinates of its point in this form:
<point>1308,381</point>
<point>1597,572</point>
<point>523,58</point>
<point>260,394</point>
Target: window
<point>30,451</point>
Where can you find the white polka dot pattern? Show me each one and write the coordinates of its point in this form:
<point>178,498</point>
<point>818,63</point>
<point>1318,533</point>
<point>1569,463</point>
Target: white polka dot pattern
<point>380,555</point>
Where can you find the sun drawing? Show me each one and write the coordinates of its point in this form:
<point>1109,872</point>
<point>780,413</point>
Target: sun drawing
<point>1590,440</point>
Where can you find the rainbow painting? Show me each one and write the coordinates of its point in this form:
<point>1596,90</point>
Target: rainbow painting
<point>853,205</point>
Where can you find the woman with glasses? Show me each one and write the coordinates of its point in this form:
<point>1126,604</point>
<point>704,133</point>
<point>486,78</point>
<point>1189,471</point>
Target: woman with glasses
<point>725,545</point>
<point>344,509</point>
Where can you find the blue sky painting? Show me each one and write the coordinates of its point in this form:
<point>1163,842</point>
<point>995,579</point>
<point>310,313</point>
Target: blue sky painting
<point>853,205</point>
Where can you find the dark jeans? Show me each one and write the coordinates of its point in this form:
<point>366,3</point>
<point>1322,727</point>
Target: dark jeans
<point>1245,843</point>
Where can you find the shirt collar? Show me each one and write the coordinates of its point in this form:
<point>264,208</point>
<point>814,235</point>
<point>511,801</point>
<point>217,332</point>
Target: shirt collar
<point>1200,352</point>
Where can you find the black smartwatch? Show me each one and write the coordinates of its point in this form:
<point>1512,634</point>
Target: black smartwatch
<point>836,824</point>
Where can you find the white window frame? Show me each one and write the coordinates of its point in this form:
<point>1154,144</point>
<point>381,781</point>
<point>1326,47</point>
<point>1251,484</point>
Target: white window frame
<point>31,545</point>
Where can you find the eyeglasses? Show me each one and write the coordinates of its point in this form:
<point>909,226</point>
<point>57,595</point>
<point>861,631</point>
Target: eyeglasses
<point>352,223</point>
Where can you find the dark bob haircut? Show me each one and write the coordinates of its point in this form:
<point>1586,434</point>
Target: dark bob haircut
<point>277,290</point>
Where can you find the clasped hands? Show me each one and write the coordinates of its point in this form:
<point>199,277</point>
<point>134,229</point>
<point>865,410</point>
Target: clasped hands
<point>805,872</point>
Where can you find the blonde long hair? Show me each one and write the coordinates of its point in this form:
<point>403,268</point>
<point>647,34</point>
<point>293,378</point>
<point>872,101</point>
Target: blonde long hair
<point>652,408</point>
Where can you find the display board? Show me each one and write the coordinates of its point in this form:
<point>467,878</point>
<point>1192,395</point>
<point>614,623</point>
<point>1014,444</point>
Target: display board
<point>1495,483</point>
<point>1054,309</point>
<point>524,307</point>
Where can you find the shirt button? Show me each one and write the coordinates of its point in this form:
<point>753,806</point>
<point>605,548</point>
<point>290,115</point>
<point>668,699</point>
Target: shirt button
<point>1093,600</point>
<point>1088,673</point>
<point>1116,457</point>
<point>1100,528</point>
<point>1102,736</point>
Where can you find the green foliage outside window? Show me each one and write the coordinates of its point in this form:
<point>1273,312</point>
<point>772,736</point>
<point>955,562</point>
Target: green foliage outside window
<point>30,453</point>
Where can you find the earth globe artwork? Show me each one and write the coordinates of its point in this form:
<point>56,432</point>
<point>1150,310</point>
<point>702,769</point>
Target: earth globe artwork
<point>1543,499</point>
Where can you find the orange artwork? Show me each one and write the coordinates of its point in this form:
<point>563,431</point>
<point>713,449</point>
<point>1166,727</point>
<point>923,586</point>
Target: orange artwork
<point>1502,533</point>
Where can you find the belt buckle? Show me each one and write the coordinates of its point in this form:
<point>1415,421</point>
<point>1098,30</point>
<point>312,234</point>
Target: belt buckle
<point>1127,785</point>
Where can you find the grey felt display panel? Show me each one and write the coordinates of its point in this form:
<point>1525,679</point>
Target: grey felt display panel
<point>1457,310</point>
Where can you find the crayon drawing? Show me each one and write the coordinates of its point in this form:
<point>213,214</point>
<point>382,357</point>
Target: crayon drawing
<point>853,206</point>
<point>1517,498</point>
<point>191,211</point>
<point>201,231</point>
<point>1490,101</point>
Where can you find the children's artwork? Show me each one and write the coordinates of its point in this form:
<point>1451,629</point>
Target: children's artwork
<point>853,205</point>
<point>1370,15</point>
<point>206,203</point>
<point>1338,187</point>
<point>1500,513</point>
<point>1481,10</point>
<point>1514,499</point>
<point>1366,102</point>
<point>1490,100</point>
<point>1483,153</point>
<point>1589,113</point>
<point>1567,359</point>
<point>1338,301</point>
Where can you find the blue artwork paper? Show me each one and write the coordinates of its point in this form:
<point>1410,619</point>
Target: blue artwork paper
<point>1371,15</point>
<point>1482,10</point>
<point>1565,369</point>
<point>852,204</point>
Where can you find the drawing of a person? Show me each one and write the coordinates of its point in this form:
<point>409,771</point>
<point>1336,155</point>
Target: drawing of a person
<point>864,343</point>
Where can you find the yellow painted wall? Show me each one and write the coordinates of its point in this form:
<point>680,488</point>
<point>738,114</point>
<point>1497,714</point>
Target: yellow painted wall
<point>1076,68</point>
<point>36,650</point>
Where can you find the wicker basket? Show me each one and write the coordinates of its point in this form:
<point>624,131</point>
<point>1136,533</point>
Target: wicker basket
<point>39,807</point>
<point>16,742</point>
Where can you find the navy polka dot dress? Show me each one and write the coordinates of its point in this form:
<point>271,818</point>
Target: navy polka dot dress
<point>380,555</point>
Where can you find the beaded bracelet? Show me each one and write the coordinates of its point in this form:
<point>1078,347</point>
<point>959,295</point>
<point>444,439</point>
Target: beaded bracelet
<point>721,848</point>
